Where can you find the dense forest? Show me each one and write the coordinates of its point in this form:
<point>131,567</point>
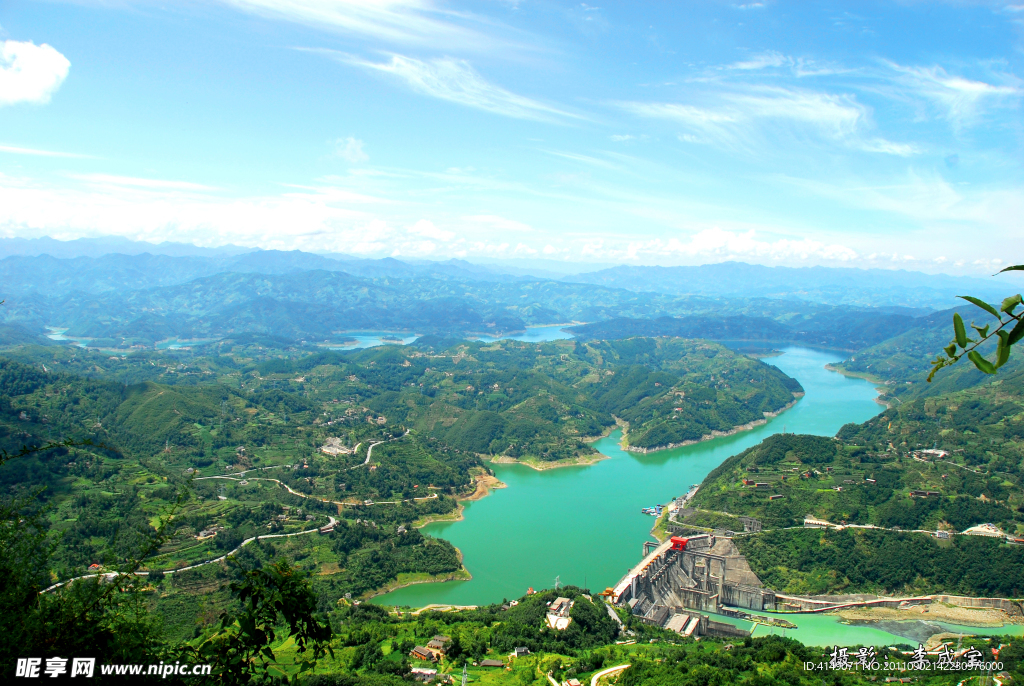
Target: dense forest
<point>815,562</point>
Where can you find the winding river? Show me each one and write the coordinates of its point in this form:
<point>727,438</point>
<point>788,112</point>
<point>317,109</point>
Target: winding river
<point>583,526</point>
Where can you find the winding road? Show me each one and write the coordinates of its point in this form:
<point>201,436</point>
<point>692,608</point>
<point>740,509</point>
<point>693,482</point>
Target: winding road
<point>113,575</point>
<point>605,672</point>
<point>369,451</point>
<point>332,521</point>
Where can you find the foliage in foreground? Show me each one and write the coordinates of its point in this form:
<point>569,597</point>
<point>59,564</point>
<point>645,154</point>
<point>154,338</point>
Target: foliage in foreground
<point>1008,331</point>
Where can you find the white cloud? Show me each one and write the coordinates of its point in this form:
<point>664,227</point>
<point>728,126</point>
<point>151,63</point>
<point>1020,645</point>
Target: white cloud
<point>13,150</point>
<point>764,60</point>
<point>756,116</point>
<point>890,148</point>
<point>30,73</point>
<point>948,214</point>
<point>960,99</point>
<point>737,114</point>
<point>350,149</point>
<point>146,209</point>
<point>585,159</point>
<point>499,223</point>
<point>720,244</point>
<point>427,229</point>
<point>456,81</point>
<point>619,137</point>
<point>110,180</point>
<point>406,22</point>
<point>837,114</point>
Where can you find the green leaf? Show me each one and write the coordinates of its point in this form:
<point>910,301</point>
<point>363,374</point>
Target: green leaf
<point>1017,333</point>
<point>981,363</point>
<point>1010,303</point>
<point>950,349</point>
<point>1014,268</point>
<point>982,330</point>
<point>981,303</point>
<point>958,330</point>
<point>1003,351</point>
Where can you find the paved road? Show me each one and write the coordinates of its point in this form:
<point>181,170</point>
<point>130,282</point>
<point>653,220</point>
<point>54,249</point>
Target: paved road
<point>369,451</point>
<point>432,496</point>
<point>614,615</point>
<point>605,672</point>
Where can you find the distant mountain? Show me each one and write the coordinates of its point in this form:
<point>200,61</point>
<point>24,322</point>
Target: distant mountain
<point>49,275</point>
<point>99,265</point>
<point>105,245</point>
<point>863,287</point>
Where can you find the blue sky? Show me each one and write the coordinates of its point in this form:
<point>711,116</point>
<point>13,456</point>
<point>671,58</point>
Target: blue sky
<point>852,134</point>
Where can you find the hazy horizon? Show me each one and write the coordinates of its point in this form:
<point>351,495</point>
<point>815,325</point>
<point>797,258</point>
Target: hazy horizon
<point>540,268</point>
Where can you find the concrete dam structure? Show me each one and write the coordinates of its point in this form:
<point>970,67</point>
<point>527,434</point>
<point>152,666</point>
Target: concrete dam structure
<point>684,577</point>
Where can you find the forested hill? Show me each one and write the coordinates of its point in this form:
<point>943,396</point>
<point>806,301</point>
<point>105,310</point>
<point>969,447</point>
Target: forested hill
<point>875,474</point>
<point>434,410</point>
<point>839,328</point>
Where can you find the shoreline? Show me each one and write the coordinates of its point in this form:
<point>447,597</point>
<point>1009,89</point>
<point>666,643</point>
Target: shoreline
<point>982,618</point>
<point>540,466</point>
<point>485,483</point>
<point>574,462</point>
<point>460,575</point>
<point>877,381</point>
<point>715,434</point>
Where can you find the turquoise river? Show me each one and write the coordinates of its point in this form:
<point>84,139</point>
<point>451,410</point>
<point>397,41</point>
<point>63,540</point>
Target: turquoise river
<point>583,525</point>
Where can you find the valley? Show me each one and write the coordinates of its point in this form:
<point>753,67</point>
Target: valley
<point>454,459</point>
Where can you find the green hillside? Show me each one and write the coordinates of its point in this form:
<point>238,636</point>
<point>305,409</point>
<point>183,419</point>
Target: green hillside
<point>234,433</point>
<point>875,474</point>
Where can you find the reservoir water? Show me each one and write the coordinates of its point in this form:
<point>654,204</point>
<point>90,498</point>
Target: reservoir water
<point>369,339</point>
<point>583,525</point>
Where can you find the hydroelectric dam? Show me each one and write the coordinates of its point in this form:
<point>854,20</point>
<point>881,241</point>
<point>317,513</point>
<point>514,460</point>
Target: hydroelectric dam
<point>683,578</point>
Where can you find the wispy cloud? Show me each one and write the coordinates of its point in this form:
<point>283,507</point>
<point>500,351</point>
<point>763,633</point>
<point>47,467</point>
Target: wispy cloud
<point>455,80</point>
<point>417,22</point>
<point>585,159</point>
<point>772,59</point>
<point>767,59</point>
<point>890,148</point>
<point>30,73</point>
<point>13,150</point>
<point>960,99</point>
<point>837,114</point>
<point>137,182</point>
<point>735,116</point>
